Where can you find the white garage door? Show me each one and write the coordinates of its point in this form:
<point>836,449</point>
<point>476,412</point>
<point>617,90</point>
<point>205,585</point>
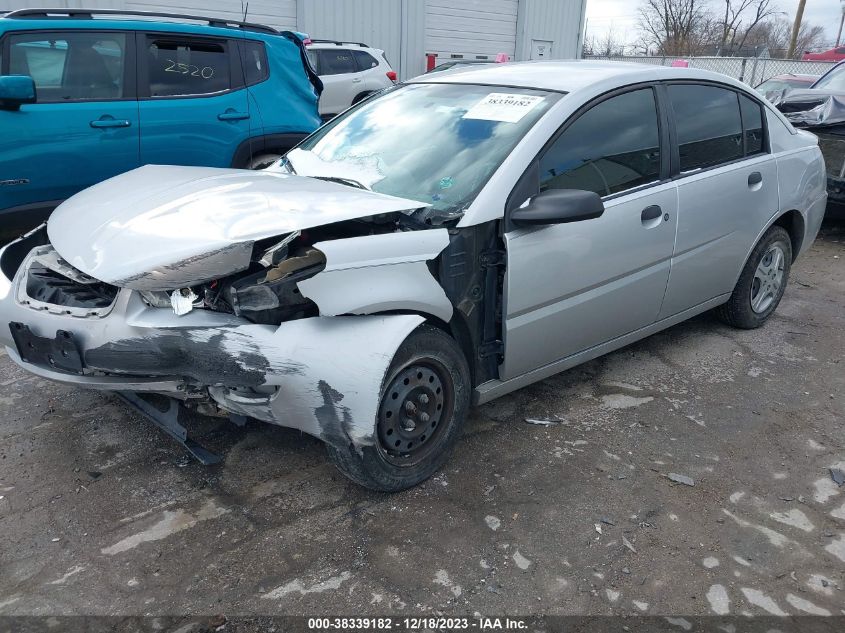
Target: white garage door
<point>470,28</point>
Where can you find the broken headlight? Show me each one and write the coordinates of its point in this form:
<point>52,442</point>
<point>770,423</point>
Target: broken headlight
<point>156,298</point>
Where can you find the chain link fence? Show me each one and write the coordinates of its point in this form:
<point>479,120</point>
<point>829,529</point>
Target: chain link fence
<point>751,70</point>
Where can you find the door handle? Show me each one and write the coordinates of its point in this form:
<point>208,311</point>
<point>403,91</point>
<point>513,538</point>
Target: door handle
<point>231,115</point>
<point>755,178</point>
<point>356,80</point>
<point>102,123</point>
<point>651,213</point>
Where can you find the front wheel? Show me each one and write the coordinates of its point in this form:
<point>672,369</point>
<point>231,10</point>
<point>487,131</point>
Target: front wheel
<point>424,402</point>
<point>762,282</point>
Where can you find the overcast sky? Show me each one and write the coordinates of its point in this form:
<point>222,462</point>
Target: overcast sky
<point>622,16</point>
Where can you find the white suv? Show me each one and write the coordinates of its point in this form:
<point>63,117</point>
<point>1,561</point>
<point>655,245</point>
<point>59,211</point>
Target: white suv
<point>350,71</point>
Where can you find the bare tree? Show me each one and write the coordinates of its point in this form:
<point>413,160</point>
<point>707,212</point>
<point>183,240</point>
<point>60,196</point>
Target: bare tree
<point>740,18</point>
<point>775,35</point>
<point>672,26</point>
<point>610,45</point>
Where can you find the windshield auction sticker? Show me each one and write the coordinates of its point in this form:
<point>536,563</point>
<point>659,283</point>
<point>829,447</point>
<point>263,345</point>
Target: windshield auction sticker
<point>503,106</point>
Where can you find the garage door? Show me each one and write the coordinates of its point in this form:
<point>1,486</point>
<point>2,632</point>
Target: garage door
<point>472,28</point>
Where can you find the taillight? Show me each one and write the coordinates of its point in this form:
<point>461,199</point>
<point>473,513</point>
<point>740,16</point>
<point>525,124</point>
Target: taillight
<point>391,75</point>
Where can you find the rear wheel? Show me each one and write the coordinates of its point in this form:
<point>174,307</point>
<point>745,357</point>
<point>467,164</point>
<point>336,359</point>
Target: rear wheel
<point>424,402</point>
<point>762,282</point>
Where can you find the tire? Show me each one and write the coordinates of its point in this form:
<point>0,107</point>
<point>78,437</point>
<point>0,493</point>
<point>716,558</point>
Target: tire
<point>762,282</point>
<point>427,428</point>
<point>261,161</point>
<point>361,96</point>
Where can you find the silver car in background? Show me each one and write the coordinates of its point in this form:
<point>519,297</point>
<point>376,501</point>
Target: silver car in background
<point>439,245</point>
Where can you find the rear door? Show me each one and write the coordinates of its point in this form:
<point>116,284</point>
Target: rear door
<point>84,126</point>
<point>194,108</point>
<point>570,287</point>
<point>341,79</point>
<point>727,190</point>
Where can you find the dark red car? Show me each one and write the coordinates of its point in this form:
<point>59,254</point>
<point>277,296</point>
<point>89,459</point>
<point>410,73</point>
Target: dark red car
<point>833,55</point>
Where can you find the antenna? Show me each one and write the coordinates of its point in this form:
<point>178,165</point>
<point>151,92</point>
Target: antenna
<point>245,8</point>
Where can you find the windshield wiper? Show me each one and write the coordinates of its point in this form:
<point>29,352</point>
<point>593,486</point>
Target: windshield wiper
<point>343,181</point>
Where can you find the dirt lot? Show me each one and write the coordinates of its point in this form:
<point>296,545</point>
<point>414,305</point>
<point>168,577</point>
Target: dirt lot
<point>101,513</point>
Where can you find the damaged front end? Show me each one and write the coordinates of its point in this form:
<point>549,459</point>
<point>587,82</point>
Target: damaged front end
<point>292,318</point>
<point>822,112</point>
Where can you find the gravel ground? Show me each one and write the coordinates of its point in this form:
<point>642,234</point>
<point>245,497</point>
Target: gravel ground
<point>101,513</point>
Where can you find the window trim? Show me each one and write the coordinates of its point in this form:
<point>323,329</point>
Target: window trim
<point>130,92</point>
<point>230,49</point>
<point>532,171</point>
<point>677,174</point>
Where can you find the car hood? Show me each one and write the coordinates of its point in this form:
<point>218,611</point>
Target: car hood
<point>163,227</point>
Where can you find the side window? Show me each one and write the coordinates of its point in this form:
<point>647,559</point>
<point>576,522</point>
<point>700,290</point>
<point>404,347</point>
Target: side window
<point>314,59</point>
<point>752,123</point>
<point>336,62</point>
<point>255,62</point>
<point>184,66</point>
<point>708,124</point>
<point>612,147</point>
<point>364,60</point>
<point>70,66</point>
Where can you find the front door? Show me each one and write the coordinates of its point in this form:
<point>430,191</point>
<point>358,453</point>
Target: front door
<point>193,105</point>
<point>570,287</point>
<point>83,127</point>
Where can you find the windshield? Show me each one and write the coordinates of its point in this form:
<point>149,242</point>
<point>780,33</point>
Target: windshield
<point>834,80</point>
<point>435,143</point>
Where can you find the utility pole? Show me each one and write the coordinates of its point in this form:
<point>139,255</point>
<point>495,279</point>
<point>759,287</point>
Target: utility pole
<point>841,22</point>
<point>799,16</point>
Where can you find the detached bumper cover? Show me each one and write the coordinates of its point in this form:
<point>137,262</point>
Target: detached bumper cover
<point>322,375</point>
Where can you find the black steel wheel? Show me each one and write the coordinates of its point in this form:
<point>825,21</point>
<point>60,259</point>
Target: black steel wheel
<point>412,408</point>
<point>424,401</point>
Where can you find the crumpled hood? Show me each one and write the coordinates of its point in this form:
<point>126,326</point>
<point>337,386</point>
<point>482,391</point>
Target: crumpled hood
<point>163,227</point>
<point>813,107</point>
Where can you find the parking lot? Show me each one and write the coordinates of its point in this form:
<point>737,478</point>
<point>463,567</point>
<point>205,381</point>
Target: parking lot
<point>101,513</point>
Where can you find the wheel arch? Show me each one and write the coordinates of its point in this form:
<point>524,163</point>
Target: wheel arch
<point>361,96</point>
<point>794,224</point>
<point>264,144</point>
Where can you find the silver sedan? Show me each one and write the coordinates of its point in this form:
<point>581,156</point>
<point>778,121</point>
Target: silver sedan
<point>438,245</point>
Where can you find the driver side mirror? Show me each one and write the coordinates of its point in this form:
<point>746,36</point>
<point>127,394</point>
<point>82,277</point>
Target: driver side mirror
<point>558,206</point>
<point>15,90</point>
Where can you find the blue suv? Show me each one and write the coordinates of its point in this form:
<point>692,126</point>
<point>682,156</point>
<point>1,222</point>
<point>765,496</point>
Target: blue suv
<point>86,95</point>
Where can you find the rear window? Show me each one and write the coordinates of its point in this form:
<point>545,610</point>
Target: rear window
<point>364,60</point>
<point>708,125</point>
<point>179,67</point>
<point>255,62</point>
<point>752,123</point>
<point>336,62</point>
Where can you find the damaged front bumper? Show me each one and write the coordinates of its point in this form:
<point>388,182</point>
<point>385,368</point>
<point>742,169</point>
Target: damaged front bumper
<point>321,375</point>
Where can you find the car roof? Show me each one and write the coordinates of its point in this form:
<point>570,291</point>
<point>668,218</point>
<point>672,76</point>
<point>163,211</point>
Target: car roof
<point>570,76</point>
<point>116,20</point>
